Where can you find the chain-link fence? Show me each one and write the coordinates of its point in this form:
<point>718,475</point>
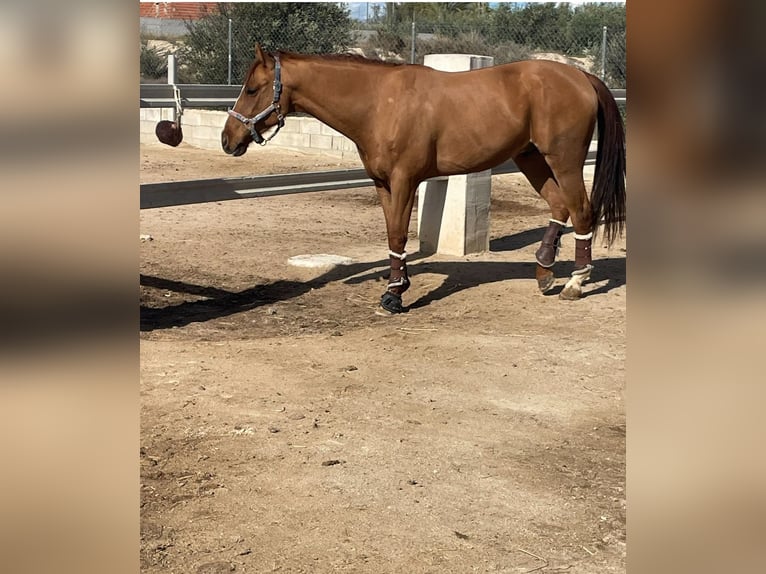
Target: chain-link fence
<point>219,48</point>
<point>600,53</point>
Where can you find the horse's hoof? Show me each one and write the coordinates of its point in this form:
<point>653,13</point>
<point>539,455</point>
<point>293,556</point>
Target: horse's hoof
<point>570,293</point>
<point>545,279</point>
<point>573,289</point>
<point>391,303</point>
<point>546,283</point>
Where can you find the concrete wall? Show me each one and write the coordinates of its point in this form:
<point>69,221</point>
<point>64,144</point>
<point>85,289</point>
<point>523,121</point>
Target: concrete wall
<point>202,129</point>
<point>162,28</point>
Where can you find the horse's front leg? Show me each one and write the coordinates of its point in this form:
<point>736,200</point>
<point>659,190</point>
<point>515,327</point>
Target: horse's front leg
<point>397,201</point>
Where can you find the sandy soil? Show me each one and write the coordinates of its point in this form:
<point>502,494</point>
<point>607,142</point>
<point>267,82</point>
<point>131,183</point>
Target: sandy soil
<point>287,428</point>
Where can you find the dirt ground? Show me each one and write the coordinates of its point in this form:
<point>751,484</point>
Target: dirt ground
<point>287,428</point>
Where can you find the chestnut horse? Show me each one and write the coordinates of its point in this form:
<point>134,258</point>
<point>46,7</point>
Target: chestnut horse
<point>411,123</point>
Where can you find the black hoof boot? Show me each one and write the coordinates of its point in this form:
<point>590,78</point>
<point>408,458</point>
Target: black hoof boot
<point>391,303</point>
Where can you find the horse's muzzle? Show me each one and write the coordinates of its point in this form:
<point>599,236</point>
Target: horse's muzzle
<point>225,143</point>
<point>237,150</point>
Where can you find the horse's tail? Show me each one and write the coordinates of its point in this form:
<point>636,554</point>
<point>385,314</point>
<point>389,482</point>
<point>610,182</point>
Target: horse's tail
<point>607,199</point>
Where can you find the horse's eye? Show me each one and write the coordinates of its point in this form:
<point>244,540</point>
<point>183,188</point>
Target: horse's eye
<point>251,91</point>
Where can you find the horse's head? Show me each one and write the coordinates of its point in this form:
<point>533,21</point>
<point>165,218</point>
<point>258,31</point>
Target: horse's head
<point>258,106</point>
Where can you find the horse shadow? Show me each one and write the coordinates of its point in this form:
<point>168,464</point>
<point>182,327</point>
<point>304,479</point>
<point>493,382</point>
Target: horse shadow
<point>459,275</point>
<point>218,303</point>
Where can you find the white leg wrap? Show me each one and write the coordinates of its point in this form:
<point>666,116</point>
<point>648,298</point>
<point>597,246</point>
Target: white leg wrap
<point>399,256</point>
<point>586,236</point>
<point>573,288</point>
<point>574,285</point>
<point>561,223</point>
<point>584,272</point>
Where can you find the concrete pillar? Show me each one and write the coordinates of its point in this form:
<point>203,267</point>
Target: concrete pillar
<point>453,213</point>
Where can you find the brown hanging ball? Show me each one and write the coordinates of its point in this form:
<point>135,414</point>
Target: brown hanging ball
<point>169,133</point>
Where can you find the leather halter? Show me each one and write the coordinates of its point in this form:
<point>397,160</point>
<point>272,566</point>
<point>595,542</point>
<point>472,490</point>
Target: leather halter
<point>273,108</point>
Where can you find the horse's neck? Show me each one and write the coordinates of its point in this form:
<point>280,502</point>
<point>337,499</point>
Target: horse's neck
<point>334,93</point>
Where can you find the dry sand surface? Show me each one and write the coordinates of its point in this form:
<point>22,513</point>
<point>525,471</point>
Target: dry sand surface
<point>287,428</point>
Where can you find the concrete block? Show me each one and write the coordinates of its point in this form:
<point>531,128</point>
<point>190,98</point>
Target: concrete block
<point>477,203</point>
<point>150,114</point>
<point>205,137</point>
<point>457,62</point>
<point>147,132</point>
<point>218,116</point>
<point>292,140</point>
<point>191,118</point>
<point>350,146</point>
<point>432,196</point>
<point>204,118</point>
<point>453,214</point>
<point>204,144</point>
<point>292,125</point>
<point>209,133</point>
<point>211,118</point>
<point>310,126</point>
<point>342,143</point>
<point>320,142</point>
<point>328,131</point>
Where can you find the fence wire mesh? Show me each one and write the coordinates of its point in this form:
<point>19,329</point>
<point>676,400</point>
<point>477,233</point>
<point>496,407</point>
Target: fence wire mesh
<point>218,49</point>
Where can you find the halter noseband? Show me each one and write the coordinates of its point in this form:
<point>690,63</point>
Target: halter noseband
<point>273,108</point>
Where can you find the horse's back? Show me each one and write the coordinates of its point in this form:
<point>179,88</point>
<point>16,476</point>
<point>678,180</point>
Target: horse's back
<point>496,112</point>
<point>473,120</point>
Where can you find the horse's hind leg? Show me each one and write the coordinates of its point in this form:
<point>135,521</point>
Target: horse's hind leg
<point>532,164</point>
<point>573,194</point>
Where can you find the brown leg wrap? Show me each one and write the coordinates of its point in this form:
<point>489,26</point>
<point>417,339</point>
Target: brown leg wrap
<point>546,254</point>
<point>582,253</point>
<point>398,281</point>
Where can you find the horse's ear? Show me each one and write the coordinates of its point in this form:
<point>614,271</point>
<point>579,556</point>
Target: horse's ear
<point>260,56</point>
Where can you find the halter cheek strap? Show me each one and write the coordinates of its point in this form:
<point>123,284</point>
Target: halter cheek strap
<point>274,107</point>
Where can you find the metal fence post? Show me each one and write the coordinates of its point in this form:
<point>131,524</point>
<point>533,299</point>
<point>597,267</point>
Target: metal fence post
<point>230,51</point>
<point>412,52</point>
<point>603,55</point>
<point>171,68</point>
<point>172,82</point>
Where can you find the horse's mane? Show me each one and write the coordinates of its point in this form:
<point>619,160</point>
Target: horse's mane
<point>351,58</point>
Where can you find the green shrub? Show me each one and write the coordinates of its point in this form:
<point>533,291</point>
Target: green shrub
<point>153,65</point>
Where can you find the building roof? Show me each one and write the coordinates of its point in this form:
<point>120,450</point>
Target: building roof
<point>177,10</point>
